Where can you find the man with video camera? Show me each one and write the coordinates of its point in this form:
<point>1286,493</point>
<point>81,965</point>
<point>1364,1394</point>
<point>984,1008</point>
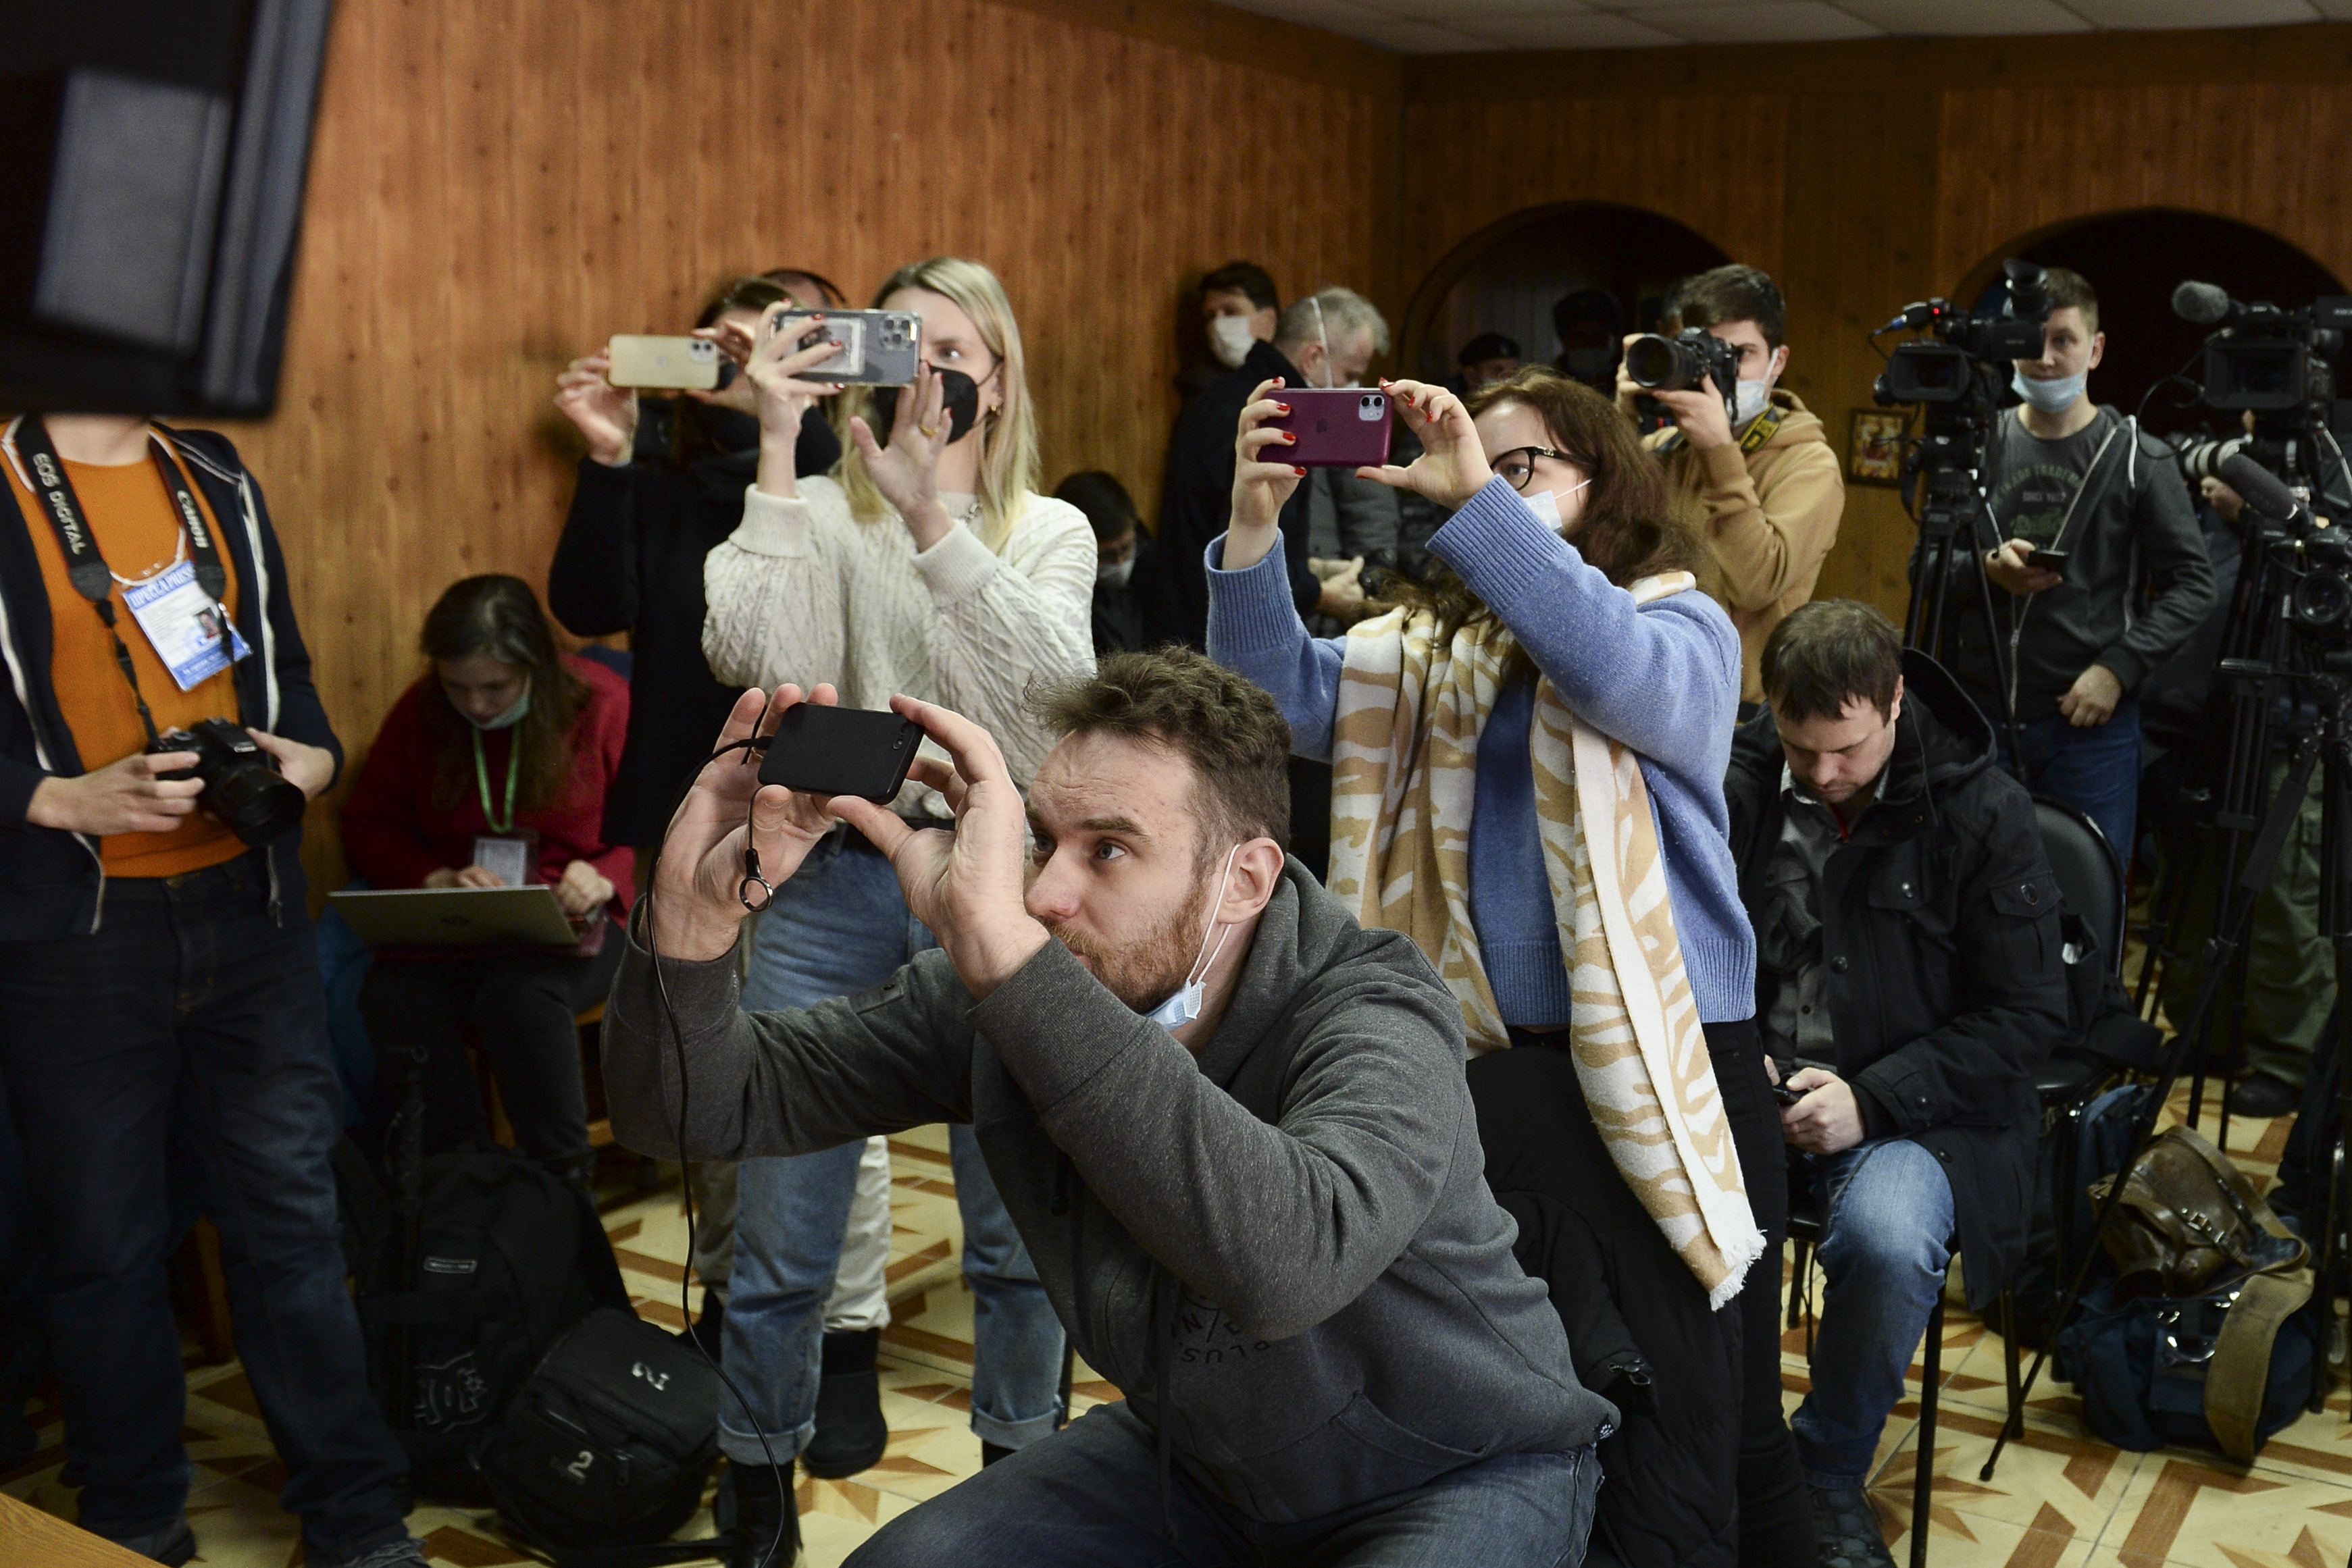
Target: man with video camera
<point>165,1020</point>
<point>2101,571</point>
<point>1760,480</point>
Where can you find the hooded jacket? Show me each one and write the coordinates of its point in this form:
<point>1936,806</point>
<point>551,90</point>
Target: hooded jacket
<point>2137,582</point>
<point>1944,983</point>
<point>1283,1251</point>
<point>1769,518</point>
<point>52,883</point>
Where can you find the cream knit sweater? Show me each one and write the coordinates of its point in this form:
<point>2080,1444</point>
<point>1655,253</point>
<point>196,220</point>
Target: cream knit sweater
<point>802,592</point>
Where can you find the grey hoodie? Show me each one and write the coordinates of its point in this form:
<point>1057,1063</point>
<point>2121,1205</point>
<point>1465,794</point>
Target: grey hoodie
<point>1293,1234</point>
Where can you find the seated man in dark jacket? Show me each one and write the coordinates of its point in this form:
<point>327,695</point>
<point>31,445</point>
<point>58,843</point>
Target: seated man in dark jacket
<point>1907,954</point>
<point>1230,1124</point>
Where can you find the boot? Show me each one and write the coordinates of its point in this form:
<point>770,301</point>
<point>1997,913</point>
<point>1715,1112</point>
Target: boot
<point>763,1504</point>
<point>850,1432</point>
<point>1847,1528</point>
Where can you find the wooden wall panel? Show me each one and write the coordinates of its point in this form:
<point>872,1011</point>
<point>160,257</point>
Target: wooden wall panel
<point>498,184</point>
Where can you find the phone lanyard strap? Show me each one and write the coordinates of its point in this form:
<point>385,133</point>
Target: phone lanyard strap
<point>499,823</point>
<point>86,568</point>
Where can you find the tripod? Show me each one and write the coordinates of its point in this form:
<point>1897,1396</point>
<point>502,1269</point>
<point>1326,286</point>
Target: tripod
<point>1952,502</point>
<point>2329,743</point>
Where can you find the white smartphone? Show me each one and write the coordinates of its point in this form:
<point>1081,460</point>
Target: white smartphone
<point>651,361</point>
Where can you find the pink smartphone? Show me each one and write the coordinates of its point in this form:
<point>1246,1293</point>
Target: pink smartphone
<point>1338,427</point>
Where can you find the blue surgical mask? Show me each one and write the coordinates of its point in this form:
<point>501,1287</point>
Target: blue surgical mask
<point>2052,396</point>
<point>1191,996</point>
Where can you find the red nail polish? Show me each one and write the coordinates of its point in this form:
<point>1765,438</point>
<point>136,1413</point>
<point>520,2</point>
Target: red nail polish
<point>1283,407</point>
<point>1300,472</point>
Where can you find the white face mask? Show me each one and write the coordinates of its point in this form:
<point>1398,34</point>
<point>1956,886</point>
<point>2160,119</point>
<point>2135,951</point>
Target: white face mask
<point>1192,995</point>
<point>1229,338</point>
<point>507,720</point>
<point>1114,573</point>
<point>1545,504</point>
<point>1751,398</point>
<point>2053,396</point>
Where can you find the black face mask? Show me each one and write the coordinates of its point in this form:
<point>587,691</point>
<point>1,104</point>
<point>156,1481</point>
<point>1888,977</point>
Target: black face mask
<point>729,429</point>
<point>960,395</point>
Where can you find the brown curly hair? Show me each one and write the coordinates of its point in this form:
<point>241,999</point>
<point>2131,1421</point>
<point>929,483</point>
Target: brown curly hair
<point>1630,530</point>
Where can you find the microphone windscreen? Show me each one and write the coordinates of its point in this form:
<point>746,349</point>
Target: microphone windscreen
<point>2201,303</point>
<point>2263,489</point>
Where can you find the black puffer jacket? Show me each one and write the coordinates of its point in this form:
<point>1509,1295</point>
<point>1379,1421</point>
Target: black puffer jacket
<point>1940,931</point>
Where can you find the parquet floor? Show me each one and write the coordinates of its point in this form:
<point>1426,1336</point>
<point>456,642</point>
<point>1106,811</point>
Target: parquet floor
<point>2061,1499</point>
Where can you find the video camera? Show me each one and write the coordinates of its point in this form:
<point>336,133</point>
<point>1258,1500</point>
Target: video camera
<point>2265,360</point>
<point>1946,370</point>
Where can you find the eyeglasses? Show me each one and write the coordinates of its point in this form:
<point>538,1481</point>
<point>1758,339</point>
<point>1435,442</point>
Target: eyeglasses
<point>1517,466</point>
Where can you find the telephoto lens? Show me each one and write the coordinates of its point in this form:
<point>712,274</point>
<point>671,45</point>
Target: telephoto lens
<point>242,786</point>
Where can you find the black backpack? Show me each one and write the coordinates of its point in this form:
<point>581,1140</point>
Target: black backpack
<point>607,1445</point>
<point>505,1258</point>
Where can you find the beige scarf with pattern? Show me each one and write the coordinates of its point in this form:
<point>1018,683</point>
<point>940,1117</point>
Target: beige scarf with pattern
<point>1404,767</point>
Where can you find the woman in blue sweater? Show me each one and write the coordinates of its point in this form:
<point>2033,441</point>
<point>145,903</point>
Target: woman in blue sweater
<point>1557,513</point>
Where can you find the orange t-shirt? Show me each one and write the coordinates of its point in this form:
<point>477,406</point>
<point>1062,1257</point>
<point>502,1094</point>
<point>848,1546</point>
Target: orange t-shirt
<point>137,527</point>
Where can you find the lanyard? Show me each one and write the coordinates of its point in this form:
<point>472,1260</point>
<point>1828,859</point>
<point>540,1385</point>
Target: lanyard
<point>86,568</point>
<point>499,824</point>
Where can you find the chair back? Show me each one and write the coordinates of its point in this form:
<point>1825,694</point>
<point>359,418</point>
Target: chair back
<point>2089,873</point>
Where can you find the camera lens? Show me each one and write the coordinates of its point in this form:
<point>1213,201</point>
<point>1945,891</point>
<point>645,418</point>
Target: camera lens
<point>258,805</point>
<point>1661,364</point>
<point>2323,601</point>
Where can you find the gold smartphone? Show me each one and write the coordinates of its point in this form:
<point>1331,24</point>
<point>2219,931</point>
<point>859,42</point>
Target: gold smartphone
<point>672,363</point>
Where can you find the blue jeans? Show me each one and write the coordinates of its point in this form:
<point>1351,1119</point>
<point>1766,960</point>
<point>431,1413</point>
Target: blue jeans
<point>839,926</point>
<point>1090,1497</point>
<point>1882,1255</point>
<point>2094,769</point>
<point>187,1038</point>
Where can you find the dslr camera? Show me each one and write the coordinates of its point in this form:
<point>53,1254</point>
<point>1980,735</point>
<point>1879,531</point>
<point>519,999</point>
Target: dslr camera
<point>242,786</point>
<point>1658,363</point>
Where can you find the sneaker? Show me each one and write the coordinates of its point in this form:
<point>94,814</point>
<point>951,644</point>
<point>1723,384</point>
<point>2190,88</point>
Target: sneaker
<point>172,1544</point>
<point>2264,1095</point>
<point>764,1505</point>
<point>1847,1527</point>
<point>406,1551</point>
<point>851,1434</point>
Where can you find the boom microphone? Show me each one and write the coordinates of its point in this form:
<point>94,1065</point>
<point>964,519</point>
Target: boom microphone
<point>2203,303</point>
<point>2261,487</point>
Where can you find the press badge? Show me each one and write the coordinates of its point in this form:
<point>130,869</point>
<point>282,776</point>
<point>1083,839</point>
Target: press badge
<point>188,629</point>
<point>508,860</point>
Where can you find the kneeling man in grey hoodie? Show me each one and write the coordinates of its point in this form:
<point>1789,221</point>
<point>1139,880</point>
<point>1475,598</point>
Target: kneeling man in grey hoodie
<point>1229,1124</point>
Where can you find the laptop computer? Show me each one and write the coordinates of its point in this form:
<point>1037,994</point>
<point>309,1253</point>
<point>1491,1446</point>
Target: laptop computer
<point>455,916</point>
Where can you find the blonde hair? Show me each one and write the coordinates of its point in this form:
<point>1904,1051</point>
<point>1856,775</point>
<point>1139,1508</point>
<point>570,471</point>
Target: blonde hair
<point>1008,436</point>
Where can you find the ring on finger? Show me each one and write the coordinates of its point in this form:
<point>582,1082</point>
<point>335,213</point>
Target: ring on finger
<point>928,430</point>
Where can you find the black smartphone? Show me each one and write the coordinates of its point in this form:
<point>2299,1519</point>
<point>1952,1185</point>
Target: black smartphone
<point>2049,561</point>
<point>821,750</point>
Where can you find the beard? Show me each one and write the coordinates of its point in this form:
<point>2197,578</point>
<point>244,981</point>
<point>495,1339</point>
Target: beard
<point>1148,971</point>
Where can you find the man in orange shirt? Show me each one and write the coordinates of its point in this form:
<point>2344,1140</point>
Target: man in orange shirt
<point>159,977</point>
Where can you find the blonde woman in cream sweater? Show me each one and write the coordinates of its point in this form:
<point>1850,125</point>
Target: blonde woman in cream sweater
<point>929,565</point>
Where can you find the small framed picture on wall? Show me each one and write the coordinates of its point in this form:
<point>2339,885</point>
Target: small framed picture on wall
<point>1874,451</point>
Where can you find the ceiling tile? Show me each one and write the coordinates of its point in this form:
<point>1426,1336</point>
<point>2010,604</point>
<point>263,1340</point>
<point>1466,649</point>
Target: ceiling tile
<point>1948,19</point>
<point>2138,13</point>
<point>1461,13</point>
<point>1800,21</point>
<point>1591,31</point>
<point>1412,37</point>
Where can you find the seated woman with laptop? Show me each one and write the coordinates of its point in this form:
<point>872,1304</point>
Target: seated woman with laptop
<point>491,771</point>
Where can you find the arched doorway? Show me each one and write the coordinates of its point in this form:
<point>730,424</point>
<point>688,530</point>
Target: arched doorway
<point>2134,260</point>
<point>1505,277</point>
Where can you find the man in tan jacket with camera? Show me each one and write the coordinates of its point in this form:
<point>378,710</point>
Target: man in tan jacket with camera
<point>1762,480</point>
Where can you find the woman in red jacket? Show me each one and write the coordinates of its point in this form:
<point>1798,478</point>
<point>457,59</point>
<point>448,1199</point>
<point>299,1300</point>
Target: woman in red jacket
<point>494,768</point>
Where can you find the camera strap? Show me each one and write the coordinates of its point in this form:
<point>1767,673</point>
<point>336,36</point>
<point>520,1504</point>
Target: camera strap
<point>86,568</point>
<point>1762,428</point>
